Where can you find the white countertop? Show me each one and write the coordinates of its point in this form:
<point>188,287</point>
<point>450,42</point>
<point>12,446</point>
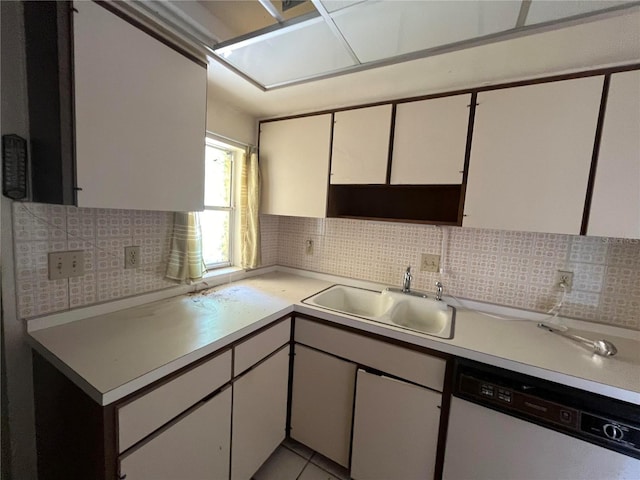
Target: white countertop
<point>112,355</point>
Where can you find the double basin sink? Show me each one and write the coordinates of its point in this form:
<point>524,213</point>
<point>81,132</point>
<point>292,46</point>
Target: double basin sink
<point>409,311</point>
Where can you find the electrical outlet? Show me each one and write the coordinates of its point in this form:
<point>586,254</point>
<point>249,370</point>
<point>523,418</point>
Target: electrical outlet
<point>131,257</point>
<point>563,276</point>
<point>308,247</point>
<point>66,264</point>
<point>429,262</point>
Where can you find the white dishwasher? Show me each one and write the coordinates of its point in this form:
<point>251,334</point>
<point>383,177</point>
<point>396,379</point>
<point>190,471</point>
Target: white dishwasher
<point>507,426</point>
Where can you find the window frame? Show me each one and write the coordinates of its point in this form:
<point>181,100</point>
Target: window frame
<point>212,142</point>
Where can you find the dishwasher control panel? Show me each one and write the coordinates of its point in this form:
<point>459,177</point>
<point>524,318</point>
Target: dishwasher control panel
<point>518,401</point>
<point>564,409</point>
<point>611,430</point>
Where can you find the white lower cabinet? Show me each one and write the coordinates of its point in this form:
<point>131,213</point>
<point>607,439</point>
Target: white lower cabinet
<point>322,403</point>
<point>395,429</point>
<point>195,447</point>
<point>259,414</point>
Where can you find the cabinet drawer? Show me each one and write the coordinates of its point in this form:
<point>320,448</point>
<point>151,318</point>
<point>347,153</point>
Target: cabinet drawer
<point>145,414</point>
<point>414,366</point>
<point>197,446</point>
<point>250,352</point>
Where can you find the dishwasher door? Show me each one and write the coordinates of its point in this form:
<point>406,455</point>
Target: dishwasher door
<point>485,444</point>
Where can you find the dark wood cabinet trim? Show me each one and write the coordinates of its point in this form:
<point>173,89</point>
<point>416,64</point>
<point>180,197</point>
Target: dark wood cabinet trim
<point>49,67</point>
<point>594,157</point>
<point>445,407</point>
<point>392,132</point>
<point>74,435</point>
<point>499,86</point>
<point>292,354</point>
<point>473,103</point>
<point>331,130</point>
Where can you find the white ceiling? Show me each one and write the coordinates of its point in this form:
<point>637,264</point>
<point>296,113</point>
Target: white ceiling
<point>613,40</point>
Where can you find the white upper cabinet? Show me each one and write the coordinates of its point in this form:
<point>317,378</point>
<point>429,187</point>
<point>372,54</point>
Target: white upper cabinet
<point>360,150</point>
<point>294,163</point>
<point>430,141</point>
<point>531,155</point>
<point>140,113</point>
<point>615,205</point>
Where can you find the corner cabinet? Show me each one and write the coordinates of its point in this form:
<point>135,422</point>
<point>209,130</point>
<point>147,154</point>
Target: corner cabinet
<point>615,205</point>
<point>369,405</point>
<point>128,129</point>
<point>219,418</point>
<point>531,156</point>
<point>294,164</point>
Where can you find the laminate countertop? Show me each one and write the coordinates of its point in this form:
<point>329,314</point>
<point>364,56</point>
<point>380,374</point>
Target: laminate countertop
<point>112,355</point>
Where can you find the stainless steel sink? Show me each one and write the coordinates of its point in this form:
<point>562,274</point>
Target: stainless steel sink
<point>414,313</point>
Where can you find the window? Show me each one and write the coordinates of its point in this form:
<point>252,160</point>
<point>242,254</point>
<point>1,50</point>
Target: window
<point>216,220</point>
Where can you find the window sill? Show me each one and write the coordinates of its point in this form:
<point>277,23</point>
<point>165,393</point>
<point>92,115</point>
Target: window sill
<point>221,271</point>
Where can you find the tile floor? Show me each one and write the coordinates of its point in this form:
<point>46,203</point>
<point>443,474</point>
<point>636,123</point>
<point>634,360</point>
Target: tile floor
<point>294,461</point>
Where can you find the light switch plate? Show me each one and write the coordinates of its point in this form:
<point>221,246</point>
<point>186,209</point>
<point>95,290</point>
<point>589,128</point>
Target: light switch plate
<point>429,262</point>
<point>66,264</point>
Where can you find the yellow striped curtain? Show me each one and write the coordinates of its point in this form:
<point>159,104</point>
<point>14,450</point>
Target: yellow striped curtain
<point>185,258</point>
<point>249,210</point>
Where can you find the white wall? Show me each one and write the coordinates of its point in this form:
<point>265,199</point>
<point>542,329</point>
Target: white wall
<point>226,119</point>
<point>17,355</point>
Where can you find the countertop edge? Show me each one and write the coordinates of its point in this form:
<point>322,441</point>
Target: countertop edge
<point>138,383</point>
<point>441,345</point>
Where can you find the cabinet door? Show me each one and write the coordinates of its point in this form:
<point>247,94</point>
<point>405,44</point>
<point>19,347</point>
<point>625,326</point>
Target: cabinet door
<point>395,429</point>
<point>360,150</point>
<point>195,447</point>
<point>259,414</point>
<point>615,206</point>
<point>322,403</point>
<point>531,155</point>
<point>140,117</point>
<point>294,163</point>
<point>429,141</point>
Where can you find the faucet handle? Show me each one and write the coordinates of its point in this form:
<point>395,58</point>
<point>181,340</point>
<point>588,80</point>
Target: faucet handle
<point>409,269</point>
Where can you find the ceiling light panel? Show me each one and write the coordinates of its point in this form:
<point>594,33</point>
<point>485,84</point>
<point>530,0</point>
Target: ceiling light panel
<point>334,5</point>
<point>546,11</point>
<point>303,50</point>
<point>380,30</point>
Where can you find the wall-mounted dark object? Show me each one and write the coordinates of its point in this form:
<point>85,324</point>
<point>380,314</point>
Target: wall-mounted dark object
<point>49,42</point>
<point>14,167</point>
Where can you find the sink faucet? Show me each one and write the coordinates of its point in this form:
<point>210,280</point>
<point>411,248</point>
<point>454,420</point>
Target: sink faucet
<point>406,281</point>
<point>438,290</point>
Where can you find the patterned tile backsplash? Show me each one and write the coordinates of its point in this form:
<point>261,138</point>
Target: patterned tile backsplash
<point>102,234</point>
<point>503,267</point>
